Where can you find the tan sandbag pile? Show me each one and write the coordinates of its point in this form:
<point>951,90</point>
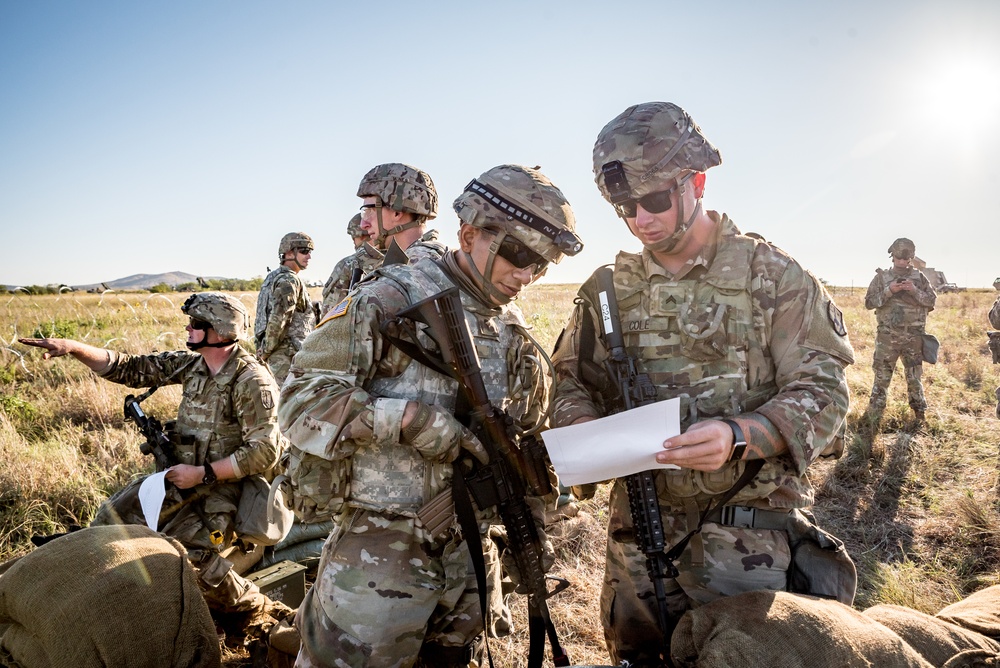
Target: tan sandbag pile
<point>105,596</point>
<point>783,630</point>
<point>935,639</point>
<point>979,612</point>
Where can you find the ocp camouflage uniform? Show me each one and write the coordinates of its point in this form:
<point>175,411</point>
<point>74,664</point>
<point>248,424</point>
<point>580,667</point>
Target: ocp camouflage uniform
<point>742,331</point>
<point>230,415</point>
<point>343,404</point>
<point>285,317</point>
<point>367,257</point>
<point>995,322</point>
<point>901,319</point>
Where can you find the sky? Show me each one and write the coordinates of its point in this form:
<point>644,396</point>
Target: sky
<point>147,137</point>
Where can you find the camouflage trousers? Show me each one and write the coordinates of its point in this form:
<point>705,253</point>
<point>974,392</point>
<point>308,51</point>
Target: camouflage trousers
<point>725,561</point>
<point>385,590</point>
<point>223,588</point>
<point>280,361</point>
<point>890,345</point>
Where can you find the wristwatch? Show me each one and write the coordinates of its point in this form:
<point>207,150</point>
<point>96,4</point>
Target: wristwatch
<point>739,441</point>
<point>210,476</point>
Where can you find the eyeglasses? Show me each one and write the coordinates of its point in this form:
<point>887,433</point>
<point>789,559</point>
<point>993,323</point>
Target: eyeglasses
<point>198,323</point>
<point>521,256</point>
<point>304,251</point>
<point>657,202</point>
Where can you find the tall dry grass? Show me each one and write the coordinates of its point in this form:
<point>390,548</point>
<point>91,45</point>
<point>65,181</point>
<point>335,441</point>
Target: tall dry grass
<point>917,507</point>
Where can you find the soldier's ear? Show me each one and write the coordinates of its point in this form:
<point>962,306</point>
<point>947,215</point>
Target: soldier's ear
<point>699,185</point>
<point>467,235</point>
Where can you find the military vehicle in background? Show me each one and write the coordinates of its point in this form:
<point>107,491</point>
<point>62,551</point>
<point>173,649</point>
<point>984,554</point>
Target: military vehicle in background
<point>936,277</point>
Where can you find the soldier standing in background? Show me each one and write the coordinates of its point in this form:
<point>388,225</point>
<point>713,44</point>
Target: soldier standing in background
<point>391,591</point>
<point>901,297</point>
<point>285,312</point>
<point>226,431</point>
<point>364,260</point>
<point>995,339</point>
<point>754,348</point>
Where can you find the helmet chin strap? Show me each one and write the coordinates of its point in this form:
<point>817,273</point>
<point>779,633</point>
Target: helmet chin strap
<point>670,243</point>
<point>484,279</point>
<point>383,235</point>
<point>205,344</point>
<point>295,260</point>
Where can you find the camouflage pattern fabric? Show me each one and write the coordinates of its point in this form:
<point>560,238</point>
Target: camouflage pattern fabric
<point>230,415</point>
<point>367,257</point>
<point>401,188</point>
<point>901,318</point>
<point>284,317</point>
<point>995,314</point>
<point>743,331</point>
<point>343,404</point>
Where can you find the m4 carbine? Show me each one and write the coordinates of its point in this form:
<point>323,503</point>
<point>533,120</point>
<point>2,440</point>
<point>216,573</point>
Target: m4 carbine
<point>511,474</point>
<point>157,443</point>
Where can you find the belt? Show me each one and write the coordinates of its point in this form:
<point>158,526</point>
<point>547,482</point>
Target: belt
<point>749,518</point>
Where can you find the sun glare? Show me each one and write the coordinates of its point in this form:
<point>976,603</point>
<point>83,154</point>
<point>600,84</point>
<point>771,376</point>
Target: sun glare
<point>967,88</point>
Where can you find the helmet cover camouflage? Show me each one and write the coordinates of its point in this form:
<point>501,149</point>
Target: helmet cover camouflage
<point>294,240</point>
<point>354,227</point>
<point>225,313</point>
<point>525,204</point>
<point>646,147</point>
<point>401,188</point>
<point>902,248</point>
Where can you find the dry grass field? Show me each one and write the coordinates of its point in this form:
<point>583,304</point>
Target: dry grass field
<point>917,507</point>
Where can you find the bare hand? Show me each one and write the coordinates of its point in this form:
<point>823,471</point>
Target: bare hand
<point>53,347</point>
<point>185,476</point>
<point>705,446</point>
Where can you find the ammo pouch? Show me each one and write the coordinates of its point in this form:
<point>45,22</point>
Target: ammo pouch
<point>264,515</point>
<point>929,348</point>
<point>820,564</point>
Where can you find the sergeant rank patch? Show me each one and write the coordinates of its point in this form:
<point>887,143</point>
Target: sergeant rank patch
<point>836,317</point>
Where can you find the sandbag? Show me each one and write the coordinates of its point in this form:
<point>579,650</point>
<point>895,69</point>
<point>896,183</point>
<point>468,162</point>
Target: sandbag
<point>935,639</point>
<point>979,612</point>
<point>785,630</point>
<point>106,596</point>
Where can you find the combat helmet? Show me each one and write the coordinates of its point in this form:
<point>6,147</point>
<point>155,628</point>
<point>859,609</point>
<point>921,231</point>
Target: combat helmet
<point>532,222</point>
<point>650,148</point>
<point>226,314</point>
<point>354,227</point>
<point>401,188</point>
<point>291,241</point>
<point>902,248</point>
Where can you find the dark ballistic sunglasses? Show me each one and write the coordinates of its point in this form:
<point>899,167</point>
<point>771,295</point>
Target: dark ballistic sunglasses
<point>520,255</point>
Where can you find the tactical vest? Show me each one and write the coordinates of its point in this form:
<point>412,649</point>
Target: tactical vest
<point>902,309</point>
<point>700,340</point>
<point>388,475</point>
<point>303,318</point>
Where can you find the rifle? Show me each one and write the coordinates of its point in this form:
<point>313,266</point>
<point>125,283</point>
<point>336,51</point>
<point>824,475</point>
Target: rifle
<point>506,480</point>
<point>637,390</point>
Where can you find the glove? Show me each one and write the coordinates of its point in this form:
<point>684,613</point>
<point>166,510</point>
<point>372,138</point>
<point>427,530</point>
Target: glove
<point>439,437</point>
<point>537,506</point>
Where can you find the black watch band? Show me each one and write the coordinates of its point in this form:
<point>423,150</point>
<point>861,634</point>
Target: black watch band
<point>210,476</point>
<point>739,441</point>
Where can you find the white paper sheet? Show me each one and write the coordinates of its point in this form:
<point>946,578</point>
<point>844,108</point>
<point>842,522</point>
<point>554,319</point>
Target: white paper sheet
<point>613,446</point>
<point>151,494</point>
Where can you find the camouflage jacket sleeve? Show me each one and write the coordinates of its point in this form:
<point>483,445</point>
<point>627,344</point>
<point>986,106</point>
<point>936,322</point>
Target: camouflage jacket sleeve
<point>995,314</point>
<point>323,409</point>
<point>283,298</point>
<point>573,397</point>
<point>878,292</point>
<point>924,294</point>
<point>254,404</point>
<point>530,387</point>
<point>810,350</point>
<point>148,370</point>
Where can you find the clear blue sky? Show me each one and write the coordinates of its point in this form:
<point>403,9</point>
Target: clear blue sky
<point>144,137</point>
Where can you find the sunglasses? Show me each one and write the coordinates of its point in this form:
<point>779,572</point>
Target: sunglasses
<point>521,256</point>
<point>304,251</point>
<point>198,323</point>
<point>657,202</point>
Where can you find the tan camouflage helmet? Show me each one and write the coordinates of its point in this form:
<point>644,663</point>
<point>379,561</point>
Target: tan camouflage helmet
<point>646,148</point>
<point>902,248</point>
<point>523,203</point>
<point>354,227</point>
<point>294,240</point>
<point>401,188</point>
<point>225,313</point>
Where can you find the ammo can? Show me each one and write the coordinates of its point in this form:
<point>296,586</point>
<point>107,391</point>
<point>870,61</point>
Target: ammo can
<point>285,581</point>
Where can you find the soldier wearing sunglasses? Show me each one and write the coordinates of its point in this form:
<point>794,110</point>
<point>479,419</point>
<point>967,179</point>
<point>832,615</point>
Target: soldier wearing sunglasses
<point>754,348</point>
<point>901,298</point>
<point>285,313</point>
<point>374,435</point>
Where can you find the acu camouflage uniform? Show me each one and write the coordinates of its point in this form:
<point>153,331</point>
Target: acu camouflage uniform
<point>229,415</point>
<point>368,258</point>
<point>387,590</point>
<point>284,317</point>
<point>901,318</point>
<point>742,331</point>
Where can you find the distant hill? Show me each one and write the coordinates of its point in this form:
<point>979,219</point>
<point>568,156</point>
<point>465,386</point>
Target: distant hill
<point>142,281</point>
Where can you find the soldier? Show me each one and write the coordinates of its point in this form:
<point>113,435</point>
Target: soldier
<point>754,348</point>
<point>364,260</point>
<point>398,202</point>
<point>390,592</point>
<point>995,341</point>
<point>901,296</point>
<point>226,431</point>
<point>285,312</point>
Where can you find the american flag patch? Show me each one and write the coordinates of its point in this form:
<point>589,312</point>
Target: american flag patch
<point>338,310</point>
